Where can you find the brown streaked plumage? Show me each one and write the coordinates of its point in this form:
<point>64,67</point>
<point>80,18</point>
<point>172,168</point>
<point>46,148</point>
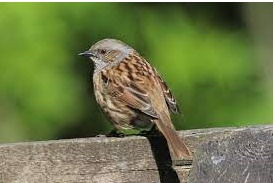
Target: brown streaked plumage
<point>131,92</point>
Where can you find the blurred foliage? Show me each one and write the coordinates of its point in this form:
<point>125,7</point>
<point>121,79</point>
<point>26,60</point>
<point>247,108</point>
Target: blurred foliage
<point>207,52</point>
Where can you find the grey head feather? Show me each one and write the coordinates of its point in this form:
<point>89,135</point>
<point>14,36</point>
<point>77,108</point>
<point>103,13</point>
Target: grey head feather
<point>113,44</point>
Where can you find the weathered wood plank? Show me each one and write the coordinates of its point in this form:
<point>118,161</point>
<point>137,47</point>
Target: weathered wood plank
<point>221,155</point>
<point>243,155</point>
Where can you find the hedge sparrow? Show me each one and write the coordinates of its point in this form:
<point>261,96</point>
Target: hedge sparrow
<point>131,92</point>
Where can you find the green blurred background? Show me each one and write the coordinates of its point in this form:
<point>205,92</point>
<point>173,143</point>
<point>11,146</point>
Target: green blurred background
<point>216,57</point>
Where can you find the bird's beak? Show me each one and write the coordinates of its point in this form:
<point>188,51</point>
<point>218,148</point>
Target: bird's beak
<point>86,54</point>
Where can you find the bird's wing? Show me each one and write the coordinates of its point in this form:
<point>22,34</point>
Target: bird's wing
<point>134,96</point>
<point>170,100</point>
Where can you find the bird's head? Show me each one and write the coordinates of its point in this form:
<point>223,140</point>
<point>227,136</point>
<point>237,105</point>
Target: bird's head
<point>107,53</point>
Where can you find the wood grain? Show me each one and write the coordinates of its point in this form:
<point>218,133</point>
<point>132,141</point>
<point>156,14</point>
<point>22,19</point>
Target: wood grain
<point>241,155</point>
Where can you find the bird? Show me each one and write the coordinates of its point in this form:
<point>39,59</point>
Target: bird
<point>132,94</point>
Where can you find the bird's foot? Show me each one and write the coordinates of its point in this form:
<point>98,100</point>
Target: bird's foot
<point>115,133</point>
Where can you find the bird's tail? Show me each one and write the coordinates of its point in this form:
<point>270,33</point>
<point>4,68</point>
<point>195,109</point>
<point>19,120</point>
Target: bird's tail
<point>177,147</point>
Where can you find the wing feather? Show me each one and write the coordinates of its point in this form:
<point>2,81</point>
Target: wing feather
<point>135,97</point>
<point>169,98</point>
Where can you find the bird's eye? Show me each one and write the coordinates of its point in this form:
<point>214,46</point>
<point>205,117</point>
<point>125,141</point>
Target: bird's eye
<point>102,52</point>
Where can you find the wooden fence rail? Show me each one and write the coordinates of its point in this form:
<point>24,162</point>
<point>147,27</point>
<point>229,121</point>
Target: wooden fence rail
<point>221,155</point>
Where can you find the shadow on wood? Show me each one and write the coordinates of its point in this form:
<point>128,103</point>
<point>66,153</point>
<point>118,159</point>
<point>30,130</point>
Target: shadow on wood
<point>163,159</point>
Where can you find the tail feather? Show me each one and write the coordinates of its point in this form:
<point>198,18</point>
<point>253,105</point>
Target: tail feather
<point>178,148</point>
